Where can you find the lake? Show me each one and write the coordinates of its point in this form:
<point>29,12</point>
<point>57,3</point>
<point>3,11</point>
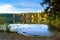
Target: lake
<point>30,29</point>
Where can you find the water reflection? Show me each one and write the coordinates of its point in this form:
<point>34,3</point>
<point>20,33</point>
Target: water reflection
<point>30,29</point>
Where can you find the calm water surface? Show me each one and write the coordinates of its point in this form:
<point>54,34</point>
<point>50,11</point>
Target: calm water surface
<point>31,29</point>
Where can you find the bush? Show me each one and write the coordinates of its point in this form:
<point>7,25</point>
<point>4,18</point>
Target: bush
<point>7,28</point>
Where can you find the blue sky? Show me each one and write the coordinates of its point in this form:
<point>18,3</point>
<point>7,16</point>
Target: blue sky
<point>16,6</point>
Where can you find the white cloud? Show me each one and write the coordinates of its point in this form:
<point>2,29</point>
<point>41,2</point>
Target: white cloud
<point>7,8</point>
<point>4,8</point>
<point>29,10</point>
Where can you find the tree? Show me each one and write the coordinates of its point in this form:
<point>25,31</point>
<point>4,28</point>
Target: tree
<point>3,20</point>
<point>53,11</point>
<point>54,7</point>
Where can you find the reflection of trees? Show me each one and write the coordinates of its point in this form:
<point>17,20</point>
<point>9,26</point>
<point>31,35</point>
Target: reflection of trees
<point>34,18</point>
<point>23,18</point>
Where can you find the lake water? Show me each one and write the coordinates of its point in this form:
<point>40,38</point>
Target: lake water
<point>31,29</point>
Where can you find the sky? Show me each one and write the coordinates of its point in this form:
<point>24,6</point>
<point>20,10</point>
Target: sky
<point>18,6</point>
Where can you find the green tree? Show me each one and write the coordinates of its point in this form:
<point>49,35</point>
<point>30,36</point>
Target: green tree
<point>3,20</point>
<point>53,9</point>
